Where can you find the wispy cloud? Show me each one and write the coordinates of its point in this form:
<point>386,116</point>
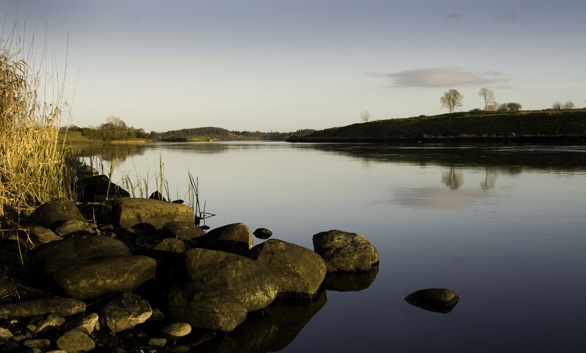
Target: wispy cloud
<point>506,17</point>
<point>446,76</point>
<point>454,16</point>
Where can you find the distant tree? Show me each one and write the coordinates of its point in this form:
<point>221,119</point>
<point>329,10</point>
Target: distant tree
<point>365,116</point>
<point>569,105</point>
<point>451,99</point>
<point>556,105</point>
<point>492,107</point>
<point>488,97</point>
<point>510,106</point>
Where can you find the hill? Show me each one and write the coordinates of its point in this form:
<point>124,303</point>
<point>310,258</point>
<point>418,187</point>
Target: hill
<point>542,126</point>
<point>221,134</point>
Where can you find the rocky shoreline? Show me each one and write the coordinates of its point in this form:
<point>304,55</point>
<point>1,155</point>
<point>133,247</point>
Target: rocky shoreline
<point>125,275</point>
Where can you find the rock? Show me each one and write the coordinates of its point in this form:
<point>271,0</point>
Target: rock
<point>129,213</point>
<point>75,341</point>
<point>434,299</point>
<point>99,188</point>
<point>247,281</point>
<point>157,342</point>
<point>51,214</point>
<point>86,267</point>
<point>86,323</point>
<point>59,306</point>
<point>75,227</point>
<point>5,334</point>
<point>86,171</point>
<point>183,230</point>
<point>176,329</point>
<point>345,252</point>
<point>262,233</point>
<point>50,322</point>
<point>41,235</point>
<point>7,288</point>
<point>156,195</point>
<point>299,272</point>
<point>125,312</point>
<point>205,308</point>
<point>36,343</point>
<point>235,238</point>
<point>170,245</point>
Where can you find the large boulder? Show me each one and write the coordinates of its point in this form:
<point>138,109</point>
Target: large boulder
<point>55,212</point>
<point>205,308</point>
<point>299,271</point>
<point>235,238</point>
<point>247,281</point>
<point>99,188</point>
<point>59,306</point>
<point>135,213</point>
<point>85,267</point>
<point>345,252</point>
<point>441,300</point>
<point>125,312</point>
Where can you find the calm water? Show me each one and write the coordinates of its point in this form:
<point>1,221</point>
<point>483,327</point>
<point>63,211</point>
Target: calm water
<point>504,226</point>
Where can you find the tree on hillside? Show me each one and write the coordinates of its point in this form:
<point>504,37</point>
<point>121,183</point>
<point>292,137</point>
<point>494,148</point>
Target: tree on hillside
<point>365,116</point>
<point>451,99</point>
<point>569,105</point>
<point>556,105</point>
<point>488,97</point>
<point>510,106</point>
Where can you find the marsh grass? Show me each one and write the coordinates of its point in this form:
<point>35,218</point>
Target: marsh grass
<point>34,165</point>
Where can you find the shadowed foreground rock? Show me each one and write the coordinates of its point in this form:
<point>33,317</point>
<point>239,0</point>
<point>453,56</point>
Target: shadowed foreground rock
<point>235,238</point>
<point>130,214</point>
<point>59,306</point>
<point>345,252</point>
<point>439,300</point>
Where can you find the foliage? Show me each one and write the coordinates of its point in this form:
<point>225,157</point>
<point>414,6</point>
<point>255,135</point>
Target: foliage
<point>451,99</point>
<point>34,165</point>
<point>510,106</point>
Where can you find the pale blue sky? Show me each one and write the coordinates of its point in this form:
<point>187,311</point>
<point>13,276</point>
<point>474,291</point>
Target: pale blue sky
<point>283,65</point>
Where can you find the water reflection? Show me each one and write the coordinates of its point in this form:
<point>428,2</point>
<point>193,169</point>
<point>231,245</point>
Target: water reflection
<point>350,282</point>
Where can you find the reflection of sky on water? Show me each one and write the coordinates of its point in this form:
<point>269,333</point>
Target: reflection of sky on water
<point>442,198</point>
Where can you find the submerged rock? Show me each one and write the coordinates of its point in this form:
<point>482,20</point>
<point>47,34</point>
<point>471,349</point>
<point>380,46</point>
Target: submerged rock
<point>434,299</point>
<point>345,252</point>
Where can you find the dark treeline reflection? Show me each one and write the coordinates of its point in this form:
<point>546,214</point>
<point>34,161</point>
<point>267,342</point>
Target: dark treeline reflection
<point>509,159</point>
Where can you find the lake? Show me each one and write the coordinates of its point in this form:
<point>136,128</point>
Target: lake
<point>504,226</point>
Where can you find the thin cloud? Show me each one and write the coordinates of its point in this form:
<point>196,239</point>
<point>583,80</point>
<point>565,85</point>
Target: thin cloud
<point>454,16</point>
<point>507,17</point>
<point>447,76</point>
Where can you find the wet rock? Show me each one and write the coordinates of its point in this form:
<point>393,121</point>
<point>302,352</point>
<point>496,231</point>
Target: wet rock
<point>434,299</point>
<point>299,271</point>
<point>183,230</point>
<point>156,195</point>
<point>53,213</point>
<point>129,213</point>
<point>176,329</point>
<point>75,341</point>
<point>247,281</point>
<point>205,308</point>
<point>345,252</point>
<point>262,233</point>
<point>85,267</point>
<point>235,238</point>
<point>86,323</point>
<point>125,312</point>
<point>59,306</point>
<point>41,235</point>
<point>75,227</point>
<point>99,188</point>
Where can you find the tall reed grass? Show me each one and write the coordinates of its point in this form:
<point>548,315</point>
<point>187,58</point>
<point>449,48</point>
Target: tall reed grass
<point>33,164</point>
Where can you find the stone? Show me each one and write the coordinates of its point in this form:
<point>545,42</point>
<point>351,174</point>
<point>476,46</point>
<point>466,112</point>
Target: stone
<point>50,322</point>
<point>99,188</point>
<point>157,342</point>
<point>176,329</point>
<point>440,300</point>
<point>125,312</point>
<point>247,281</point>
<point>205,308</point>
<point>235,238</point>
<point>345,252</point>
<point>7,288</point>
<point>86,267</point>
<point>75,341</point>
<point>86,323</point>
<point>5,334</point>
<point>183,230</point>
<point>51,214</point>
<point>36,343</point>
<point>41,235</point>
<point>262,233</point>
<point>86,171</point>
<point>299,272</point>
<point>59,306</point>
<point>130,213</point>
<point>170,245</point>
<point>75,227</point>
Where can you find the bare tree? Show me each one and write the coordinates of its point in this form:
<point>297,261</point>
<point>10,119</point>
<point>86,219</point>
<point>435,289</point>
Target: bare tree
<point>556,105</point>
<point>569,105</point>
<point>365,116</point>
<point>488,97</point>
<point>451,100</point>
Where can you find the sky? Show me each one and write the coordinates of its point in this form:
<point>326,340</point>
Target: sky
<point>285,65</point>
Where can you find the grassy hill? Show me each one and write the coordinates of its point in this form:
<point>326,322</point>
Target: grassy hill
<point>542,125</point>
